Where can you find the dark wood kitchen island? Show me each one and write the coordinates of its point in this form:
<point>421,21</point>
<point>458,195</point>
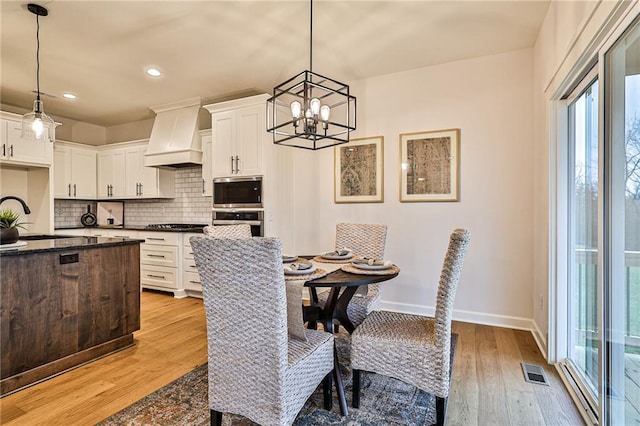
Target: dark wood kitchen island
<point>64,302</point>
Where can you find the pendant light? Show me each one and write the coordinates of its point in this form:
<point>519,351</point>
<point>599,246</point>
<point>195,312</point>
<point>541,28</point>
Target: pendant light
<point>309,110</point>
<point>36,124</point>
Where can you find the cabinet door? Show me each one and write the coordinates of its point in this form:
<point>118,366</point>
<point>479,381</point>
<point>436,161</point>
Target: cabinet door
<point>119,174</point>
<point>83,173</point>
<point>27,150</point>
<point>105,174</point>
<point>207,172</point>
<point>133,171</point>
<point>62,172</point>
<point>223,135</point>
<point>111,174</point>
<point>250,136</point>
<point>150,178</point>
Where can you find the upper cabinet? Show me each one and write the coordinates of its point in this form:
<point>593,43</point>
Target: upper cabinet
<point>23,151</point>
<point>122,174</point>
<point>74,171</point>
<point>238,132</point>
<point>207,170</point>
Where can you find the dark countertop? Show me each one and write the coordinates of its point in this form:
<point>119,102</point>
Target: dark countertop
<point>66,244</point>
<point>134,228</point>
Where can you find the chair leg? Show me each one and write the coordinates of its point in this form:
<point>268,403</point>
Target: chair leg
<point>441,410</point>
<point>327,383</point>
<point>216,418</point>
<point>356,389</point>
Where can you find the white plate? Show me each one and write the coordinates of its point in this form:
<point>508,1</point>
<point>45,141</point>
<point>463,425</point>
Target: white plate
<point>289,271</point>
<point>288,259</point>
<point>334,256</point>
<point>372,267</point>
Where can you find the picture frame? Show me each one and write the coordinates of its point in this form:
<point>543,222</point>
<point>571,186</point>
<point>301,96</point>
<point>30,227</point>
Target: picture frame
<point>429,166</point>
<point>358,171</point>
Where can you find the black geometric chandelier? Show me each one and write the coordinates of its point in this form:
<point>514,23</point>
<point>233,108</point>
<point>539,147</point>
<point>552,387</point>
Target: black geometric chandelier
<point>36,124</point>
<point>309,110</point>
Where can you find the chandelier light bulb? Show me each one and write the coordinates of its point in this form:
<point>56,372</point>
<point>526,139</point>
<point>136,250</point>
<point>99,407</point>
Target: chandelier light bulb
<point>325,112</point>
<point>296,109</point>
<point>315,106</point>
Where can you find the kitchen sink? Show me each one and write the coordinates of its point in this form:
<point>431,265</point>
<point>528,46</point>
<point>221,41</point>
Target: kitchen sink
<point>36,237</point>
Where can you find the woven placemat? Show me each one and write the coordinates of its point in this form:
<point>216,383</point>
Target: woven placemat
<point>353,270</point>
<point>318,273</point>
<point>321,259</point>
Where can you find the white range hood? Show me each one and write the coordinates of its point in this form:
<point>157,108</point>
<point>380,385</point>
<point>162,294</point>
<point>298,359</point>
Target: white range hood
<point>175,141</point>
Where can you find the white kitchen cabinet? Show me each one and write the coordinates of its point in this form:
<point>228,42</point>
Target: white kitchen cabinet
<point>111,173</point>
<point>207,170</point>
<point>74,172</point>
<point>159,262</point>
<point>190,276</point>
<point>238,132</point>
<point>122,174</point>
<point>146,182</point>
<point>14,149</point>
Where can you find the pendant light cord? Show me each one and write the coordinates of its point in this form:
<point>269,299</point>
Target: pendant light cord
<point>311,36</point>
<point>38,56</point>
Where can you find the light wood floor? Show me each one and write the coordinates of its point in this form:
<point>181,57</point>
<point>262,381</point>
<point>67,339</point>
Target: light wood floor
<point>487,388</point>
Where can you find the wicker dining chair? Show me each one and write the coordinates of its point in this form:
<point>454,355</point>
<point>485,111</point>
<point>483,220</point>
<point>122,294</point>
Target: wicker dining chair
<point>366,240</point>
<point>228,231</point>
<point>412,348</point>
<point>255,369</point>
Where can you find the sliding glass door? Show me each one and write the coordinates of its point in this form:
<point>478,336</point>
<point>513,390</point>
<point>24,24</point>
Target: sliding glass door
<point>583,235</point>
<point>603,234</point>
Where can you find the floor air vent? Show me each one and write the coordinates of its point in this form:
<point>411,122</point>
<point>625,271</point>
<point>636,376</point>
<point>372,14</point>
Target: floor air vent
<point>534,374</point>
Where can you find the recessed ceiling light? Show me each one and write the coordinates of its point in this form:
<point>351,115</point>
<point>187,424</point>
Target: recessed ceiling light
<point>153,72</point>
<point>69,96</point>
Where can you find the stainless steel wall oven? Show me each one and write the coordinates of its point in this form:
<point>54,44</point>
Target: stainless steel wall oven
<point>253,218</point>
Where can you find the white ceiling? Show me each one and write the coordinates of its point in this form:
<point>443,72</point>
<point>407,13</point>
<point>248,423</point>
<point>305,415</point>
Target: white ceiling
<point>223,49</point>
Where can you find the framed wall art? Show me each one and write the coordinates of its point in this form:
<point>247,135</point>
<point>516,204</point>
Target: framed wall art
<point>358,175</point>
<point>429,165</point>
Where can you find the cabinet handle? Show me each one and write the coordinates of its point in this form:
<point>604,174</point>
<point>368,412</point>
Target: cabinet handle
<point>74,189</point>
<point>137,189</point>
<point>193,266</point>
<point>11,151</point>
<point>140,189</point>
<point>237,164</point>
<point>232,164</point>
<point>69,191</point>
<point>203,185</point>
<point>4,149</point>
<point>195,282</point>
<point>156,276</point>
<point>110,190</point>
<point>155,255</point>
<point>155,239</point>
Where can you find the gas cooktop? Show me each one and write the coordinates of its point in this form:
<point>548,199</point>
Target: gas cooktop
<point>176,226</point>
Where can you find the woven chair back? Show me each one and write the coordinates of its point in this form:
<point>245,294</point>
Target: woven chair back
<point>451,268</point>
<point>364,239</point>
<point>228,231</point>
<point>245,305</point>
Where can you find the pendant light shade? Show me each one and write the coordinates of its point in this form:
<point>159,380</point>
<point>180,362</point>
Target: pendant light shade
<point>36,124</point>
<point>309,110</point>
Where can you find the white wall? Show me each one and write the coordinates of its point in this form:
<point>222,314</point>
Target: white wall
<point>490,100</point>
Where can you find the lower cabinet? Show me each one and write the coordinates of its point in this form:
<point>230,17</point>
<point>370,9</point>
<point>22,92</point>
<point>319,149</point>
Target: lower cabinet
<point>159,265</point>
<point>190,276</point>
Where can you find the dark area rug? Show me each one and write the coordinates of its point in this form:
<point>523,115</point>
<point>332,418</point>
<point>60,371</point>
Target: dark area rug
<point>383,401</point>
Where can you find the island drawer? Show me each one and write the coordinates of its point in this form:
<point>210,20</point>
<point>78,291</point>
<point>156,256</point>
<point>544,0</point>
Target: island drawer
<point>191,281</point>
<point>151,254</point>
<point>158,276</point>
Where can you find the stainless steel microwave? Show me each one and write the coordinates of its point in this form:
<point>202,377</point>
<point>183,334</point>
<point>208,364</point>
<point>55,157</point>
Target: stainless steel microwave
<point>237,192</point>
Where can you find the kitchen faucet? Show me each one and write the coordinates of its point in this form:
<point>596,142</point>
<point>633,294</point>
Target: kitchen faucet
<point>25,207</point>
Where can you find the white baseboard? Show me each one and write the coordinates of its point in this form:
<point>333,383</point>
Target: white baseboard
<point>541,340</point>
<point>466,316</point>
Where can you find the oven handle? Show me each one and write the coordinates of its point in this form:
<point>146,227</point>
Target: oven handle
<point>237,222</point>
